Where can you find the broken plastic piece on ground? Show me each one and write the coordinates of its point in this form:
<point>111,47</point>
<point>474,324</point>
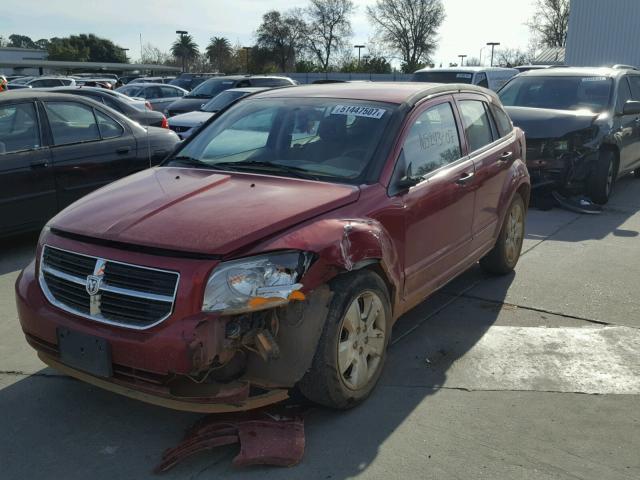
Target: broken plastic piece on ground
<point>266,437</point>
<point>577,204</point>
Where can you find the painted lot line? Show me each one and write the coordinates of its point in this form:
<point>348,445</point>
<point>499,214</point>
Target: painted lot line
<point>599,360</point>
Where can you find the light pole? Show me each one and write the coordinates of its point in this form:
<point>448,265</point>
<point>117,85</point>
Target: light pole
<point>246,57</point>
<point>359,47</point>
<point>182,33</point>
<point>462,57</point>
<point>492,45</point>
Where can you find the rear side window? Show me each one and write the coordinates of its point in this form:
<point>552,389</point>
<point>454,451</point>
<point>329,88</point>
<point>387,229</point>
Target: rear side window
<point>476,124</point>
<point>71,123</point>
<point>109,128</point>
<point>269,82</point>
<point>503,122</point>
<point>433,141</point>
<point>634,81</point>
<point>18,128</point>
<point>151,93</point>
<point>168,92</point>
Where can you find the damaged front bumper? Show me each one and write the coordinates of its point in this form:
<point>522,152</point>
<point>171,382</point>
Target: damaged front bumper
<point>202,363</point>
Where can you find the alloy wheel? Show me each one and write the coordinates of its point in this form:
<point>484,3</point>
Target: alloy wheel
<point>515,233</point>
<point>362,340</point>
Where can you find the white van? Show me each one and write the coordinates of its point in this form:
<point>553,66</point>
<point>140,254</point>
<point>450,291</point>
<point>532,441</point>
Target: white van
<point>487,77</point>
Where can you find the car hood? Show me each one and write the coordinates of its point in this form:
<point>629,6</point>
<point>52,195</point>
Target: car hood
<point>190,119</point>
<point>187,104</point>
<point>202,211</point>
<point>545,123</point>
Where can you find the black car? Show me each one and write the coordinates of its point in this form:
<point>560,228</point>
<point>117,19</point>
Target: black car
<point>135,110</point>
<point>212,87</point>
<point>582,127</point>
<point>56,148</point>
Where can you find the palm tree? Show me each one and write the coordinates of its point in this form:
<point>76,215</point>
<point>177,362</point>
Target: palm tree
<point>219,52</point>
<point>185,49</point>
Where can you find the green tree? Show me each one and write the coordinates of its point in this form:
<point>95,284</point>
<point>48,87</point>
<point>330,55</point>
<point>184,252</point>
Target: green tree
<point>283,36</point>
<point>185,49</point>
<point>84,48</point>
<point>408,27</point>
<point>219,53</point>
<point>63,49</point>
<point>21,41</point>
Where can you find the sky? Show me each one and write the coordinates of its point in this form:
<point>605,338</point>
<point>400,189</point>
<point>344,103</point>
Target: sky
<point>468,26</point>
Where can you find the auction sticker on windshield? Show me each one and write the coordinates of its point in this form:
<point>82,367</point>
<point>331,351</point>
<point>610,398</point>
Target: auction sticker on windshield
<point>356,111</point>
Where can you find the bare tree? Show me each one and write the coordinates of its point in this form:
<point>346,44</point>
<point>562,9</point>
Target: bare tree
<point>551,22</point>
<point>511,57</point>
<point>283,36</point>
<point>329,26</point>
<point>409,27</point>
<point>472,62</point>
<point>153,55</point>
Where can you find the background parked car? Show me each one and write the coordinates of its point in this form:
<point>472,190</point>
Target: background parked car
<point>187,123</point>
<point>56,148</point>
<point>189,81</point>
<point>158,95</point>
<point>152,80</point>
<point>40,82</point>
<point>134,109</point>
<point>488,77</point>
<point>212,87</point>
<point>571,146</point>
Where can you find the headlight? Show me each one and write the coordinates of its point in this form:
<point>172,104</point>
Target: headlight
<point>255,283</point>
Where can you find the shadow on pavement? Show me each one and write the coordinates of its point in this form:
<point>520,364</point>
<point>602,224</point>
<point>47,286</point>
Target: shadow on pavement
<point>63,428</point>
<point>16,252</point>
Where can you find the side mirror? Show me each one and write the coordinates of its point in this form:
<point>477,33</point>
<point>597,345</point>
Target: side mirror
<point>632,107</point>
<point>403,178</point>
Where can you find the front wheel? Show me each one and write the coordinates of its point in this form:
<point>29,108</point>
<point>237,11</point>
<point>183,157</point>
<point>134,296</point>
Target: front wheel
<point>504,256</point>
<point>352,348</point>
<point>600,182</point>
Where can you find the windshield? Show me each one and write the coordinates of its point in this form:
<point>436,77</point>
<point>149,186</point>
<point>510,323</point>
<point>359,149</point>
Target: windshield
<point>323,139</point>
<point>443,77</point>
<point>211,88</point>
<point>222,100</point>
<point>558,93</point>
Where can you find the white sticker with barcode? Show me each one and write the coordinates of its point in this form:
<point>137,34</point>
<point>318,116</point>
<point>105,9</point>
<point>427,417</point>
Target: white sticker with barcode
<point>594,79</point>
<point>464,75</point>
<point>357,111</point>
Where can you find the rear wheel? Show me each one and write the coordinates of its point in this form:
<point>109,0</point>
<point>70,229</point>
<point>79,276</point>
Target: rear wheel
<point>600,182</point>
<point>352,348</point>
<point>504,256</point>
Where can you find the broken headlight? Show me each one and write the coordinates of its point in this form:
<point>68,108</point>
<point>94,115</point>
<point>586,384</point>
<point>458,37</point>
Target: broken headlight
<point>256,283</point>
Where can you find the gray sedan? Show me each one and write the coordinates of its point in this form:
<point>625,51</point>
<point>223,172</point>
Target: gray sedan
<point>158,95</point>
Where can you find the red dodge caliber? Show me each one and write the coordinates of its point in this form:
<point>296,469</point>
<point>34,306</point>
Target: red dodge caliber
<point>278,245</point>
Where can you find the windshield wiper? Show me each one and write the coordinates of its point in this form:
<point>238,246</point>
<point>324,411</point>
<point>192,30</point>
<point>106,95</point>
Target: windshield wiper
<point>259,166</point>
<point>189,162</point>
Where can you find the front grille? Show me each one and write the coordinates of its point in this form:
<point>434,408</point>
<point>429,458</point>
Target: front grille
<point>127,295</point>
<point>179,129</point>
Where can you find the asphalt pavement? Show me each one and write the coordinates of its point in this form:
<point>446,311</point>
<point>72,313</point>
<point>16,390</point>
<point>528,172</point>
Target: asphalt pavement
<point>534,375</point>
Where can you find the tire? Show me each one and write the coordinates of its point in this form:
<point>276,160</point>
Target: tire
<point>338,380</point>
<point>602,177</point>
<point>504,256</point>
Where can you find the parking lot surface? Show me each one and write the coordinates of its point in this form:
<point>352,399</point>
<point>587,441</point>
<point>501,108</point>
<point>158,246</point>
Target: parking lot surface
<point>530,376</point>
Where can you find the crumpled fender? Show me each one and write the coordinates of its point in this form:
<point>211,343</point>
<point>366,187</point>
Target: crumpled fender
<point>342,245</point>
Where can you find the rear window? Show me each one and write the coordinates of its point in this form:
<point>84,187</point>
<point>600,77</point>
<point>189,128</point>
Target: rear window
<point>591,93</point>
<point>211,88</point>
<point>222,100</point>
<point>443,77</point>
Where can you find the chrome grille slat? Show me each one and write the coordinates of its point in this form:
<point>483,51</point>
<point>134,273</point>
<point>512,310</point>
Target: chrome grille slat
<point>127,295</point>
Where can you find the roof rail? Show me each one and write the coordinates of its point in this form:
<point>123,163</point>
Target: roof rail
<point>624,67</point>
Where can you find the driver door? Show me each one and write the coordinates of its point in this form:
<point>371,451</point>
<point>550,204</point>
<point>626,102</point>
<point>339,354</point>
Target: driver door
<point>438,210</point>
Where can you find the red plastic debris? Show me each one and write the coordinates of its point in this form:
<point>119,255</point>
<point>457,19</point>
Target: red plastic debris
<point>265,437</point>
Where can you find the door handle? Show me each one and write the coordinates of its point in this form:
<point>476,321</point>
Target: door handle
<point>39,164</point>
<point>506,157</point>
<point>123,150</point>
<point>465,178</point>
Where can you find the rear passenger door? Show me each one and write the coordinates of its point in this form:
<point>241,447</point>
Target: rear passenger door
<point>492,152</point>
<point>90,149</point>
<point>27,188</point>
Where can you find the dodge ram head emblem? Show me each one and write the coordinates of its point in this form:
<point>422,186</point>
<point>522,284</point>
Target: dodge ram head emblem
<point>93,284</point>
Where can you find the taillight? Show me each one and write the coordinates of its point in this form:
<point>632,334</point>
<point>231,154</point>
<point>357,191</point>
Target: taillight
<point>165,122</point>
<point>148,105</point>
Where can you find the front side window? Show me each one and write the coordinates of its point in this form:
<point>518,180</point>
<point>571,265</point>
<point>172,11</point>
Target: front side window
<point>169,92</point>
<point>433,141</point>
<point>634,81</point>
<point>476,124</point>
<point>325,139</point>
<point>590,93</point>
<point>18,128</point>
<point>624,94</point>
<point>71,123</point>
